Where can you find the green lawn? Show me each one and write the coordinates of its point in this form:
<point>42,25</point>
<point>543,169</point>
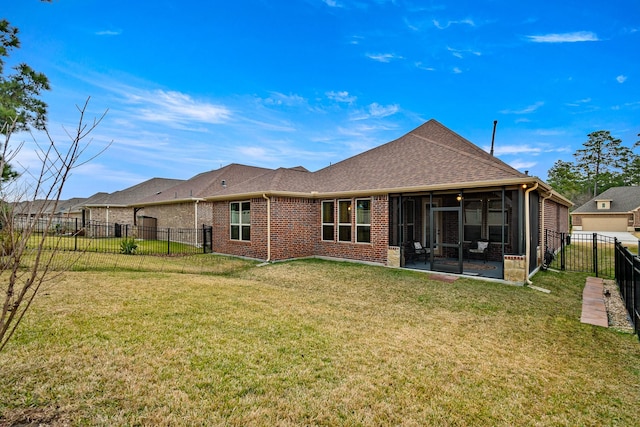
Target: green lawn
<point>111,245</point>
<point>314,343</point>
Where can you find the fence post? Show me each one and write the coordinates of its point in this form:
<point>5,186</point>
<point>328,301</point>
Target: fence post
<point>75,237</point>
<point>204,240</point>
<point>595,253</point>
<point>168,241</point>
<point>562,254</point>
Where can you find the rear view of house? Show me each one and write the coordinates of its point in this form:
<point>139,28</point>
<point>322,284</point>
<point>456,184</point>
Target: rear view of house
<point>430,186</point>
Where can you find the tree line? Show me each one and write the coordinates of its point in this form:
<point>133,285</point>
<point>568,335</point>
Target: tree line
<point>602,162</point>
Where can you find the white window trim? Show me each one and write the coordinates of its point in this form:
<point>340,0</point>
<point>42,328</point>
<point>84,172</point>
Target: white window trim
<point>363,224</point>
<point>344,224</point>
<point>239,224</point>
<point>323,224</point>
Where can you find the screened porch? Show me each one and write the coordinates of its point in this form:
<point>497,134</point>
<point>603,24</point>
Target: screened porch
<point>462,232</point>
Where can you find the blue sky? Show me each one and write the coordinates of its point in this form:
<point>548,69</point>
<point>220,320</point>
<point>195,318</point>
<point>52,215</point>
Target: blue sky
<point>191,86</point>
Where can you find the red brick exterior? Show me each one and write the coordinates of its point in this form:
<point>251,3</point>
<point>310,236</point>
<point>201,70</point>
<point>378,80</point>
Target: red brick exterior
<point>296,231</point>
<point>556,217</point>
<point>376,251</point>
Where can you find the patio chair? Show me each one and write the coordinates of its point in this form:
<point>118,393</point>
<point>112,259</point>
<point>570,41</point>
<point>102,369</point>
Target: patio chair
<point>420,251</point>
<point>414,250</point>
<point>479,249</point>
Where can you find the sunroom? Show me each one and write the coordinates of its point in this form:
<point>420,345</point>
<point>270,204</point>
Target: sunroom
<point>465,231</point>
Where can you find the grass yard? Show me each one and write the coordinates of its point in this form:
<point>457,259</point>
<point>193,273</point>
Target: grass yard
<point>314,343</point>
<point>111,245</point>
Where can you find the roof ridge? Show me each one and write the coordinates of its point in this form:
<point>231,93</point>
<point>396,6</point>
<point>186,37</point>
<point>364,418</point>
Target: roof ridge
<point>485,157</point>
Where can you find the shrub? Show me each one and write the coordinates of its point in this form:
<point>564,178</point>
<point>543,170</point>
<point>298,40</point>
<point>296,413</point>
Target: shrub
<point>128,246</point>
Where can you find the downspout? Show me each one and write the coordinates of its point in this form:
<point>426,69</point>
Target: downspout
<point>195,219</point>
<point>527,227</point>
<point>268,227</point>
<point>544,240</point>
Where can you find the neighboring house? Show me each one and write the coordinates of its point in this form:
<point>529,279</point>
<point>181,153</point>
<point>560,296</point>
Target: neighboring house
<point>118,207</point>
<point>431,185</point>
<point>184,205</point>
<point>616,209</point>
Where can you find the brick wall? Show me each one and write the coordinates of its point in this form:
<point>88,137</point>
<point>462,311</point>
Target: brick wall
<point>294,227</point>
<point>114,215</point>
<point>296,231</point>
<point>180,215</point>
<point>222,243</point>
<point>376,251</point>
<point>556,217</point>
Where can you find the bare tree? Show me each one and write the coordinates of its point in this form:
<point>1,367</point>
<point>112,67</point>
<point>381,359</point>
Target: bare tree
<point>26,263</point>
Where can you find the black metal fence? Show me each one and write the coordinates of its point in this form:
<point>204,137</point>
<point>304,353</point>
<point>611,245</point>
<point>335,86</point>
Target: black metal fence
<point>628,279</point>
<point>69,234</point>
<point>589,253</point>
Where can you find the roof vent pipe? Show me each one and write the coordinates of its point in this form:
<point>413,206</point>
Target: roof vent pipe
<point>493,136</point>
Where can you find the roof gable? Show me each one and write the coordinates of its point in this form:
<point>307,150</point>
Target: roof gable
<point>621,200</point>
<point>205,184</point>
<point>133,194</point>
<point>429,155</point>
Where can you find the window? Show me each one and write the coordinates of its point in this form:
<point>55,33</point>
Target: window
<point>344,220</point>
<point>363,220</point>
<point>472,220</point>
<point>328,220</point>
<point>495,221</point>
<point>240,221</point>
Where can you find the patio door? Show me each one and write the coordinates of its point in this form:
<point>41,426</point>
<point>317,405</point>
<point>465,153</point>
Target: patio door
<point>450,239</point>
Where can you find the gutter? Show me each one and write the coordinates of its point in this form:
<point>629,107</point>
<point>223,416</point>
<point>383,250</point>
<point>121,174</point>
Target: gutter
<point>543,200</point>
<point>264,196</point>
<point>195,219</point>
<point>527,222</point>
<point>528,242</point>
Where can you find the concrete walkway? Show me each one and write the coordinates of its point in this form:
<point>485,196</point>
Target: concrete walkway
<point>594,311</point>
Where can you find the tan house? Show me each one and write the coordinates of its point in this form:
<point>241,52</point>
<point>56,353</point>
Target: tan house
<point>116,208</point>
<point>616,209</point>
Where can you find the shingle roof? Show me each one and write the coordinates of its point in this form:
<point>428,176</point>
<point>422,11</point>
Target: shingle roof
<point>205,184</point>
<point>623,200</point>
<point>133,194</point>
<point>429,155</point>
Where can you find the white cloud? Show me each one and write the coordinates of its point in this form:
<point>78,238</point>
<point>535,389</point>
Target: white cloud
<point>441,26</point>
<point>579,102</point>
<point>377,110</point>
<point>175,108</point>
<point>332,3</point>
<point>421,66</point>
<point>108,33</point>
<point>578,36</point>
<point>621,78</point>
<point>500,150</point>
<point>457,70</point>
<point>383,57</point>
<point>459,53</point>
<point>342,96</point>
<point>522,164</point>
<point>526,110</point>
<point>278,98</point>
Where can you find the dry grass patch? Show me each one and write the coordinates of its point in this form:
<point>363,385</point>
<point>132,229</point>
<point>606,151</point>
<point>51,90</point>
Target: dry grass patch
<point>316,343</point>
